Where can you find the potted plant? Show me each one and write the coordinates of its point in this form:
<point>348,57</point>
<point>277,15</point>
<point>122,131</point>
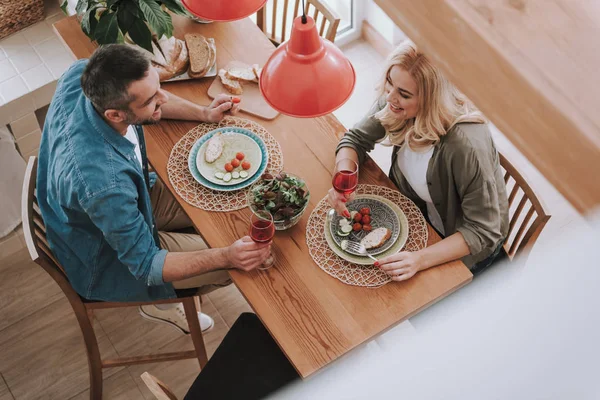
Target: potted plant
<point>109,21</point>
<point>285,196</point>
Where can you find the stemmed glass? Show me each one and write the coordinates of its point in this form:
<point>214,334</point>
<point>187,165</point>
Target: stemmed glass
<point>345,178</point>
<point>262,230</point>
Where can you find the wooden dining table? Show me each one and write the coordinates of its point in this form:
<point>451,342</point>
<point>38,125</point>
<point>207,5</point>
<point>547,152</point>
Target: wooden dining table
<point>313,317</point>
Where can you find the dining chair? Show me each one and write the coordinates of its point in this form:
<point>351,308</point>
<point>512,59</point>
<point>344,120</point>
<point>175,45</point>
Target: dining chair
<point>527,215</point>
<point>34,230</point>
<point>321,13</point>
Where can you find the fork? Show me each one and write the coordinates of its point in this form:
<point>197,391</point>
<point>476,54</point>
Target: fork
<point>357,247</point>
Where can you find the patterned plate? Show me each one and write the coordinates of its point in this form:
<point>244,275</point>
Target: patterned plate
<point>237,186</point>
<point>393,248</point>
<point>233,143</point>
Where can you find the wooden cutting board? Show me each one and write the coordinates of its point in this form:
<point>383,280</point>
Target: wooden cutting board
<point>252,100</point>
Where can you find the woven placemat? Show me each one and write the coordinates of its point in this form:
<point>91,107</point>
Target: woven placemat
<point>197,195</point>
<point>350,273</point>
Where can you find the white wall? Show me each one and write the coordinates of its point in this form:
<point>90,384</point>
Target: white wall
<point>378,19</point>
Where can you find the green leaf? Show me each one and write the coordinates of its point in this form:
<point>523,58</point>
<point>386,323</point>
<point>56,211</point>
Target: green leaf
<point>81,6</point>
<point>159,21</point>
<point>64,6</point>
<point>120,37</point>
<point>141,35</point>
<point>89,21</point>
<point>125,17</point>
<point>107,30</point>
<point>176,7</point>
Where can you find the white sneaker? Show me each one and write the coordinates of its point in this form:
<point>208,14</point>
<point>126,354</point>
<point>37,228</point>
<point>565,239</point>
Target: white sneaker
<point>175,317</point>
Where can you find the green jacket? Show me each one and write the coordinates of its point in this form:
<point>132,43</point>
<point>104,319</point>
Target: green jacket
<point>464,178</point>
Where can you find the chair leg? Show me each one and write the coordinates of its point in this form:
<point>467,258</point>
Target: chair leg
<point>191,313</point>
<point>92,350</point>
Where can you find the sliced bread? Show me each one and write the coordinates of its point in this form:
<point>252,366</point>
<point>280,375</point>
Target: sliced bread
<point>232,86</point>
<point>214,148</point>
<point>376,238</point>
<point>199,52</point>
<point>241,74</point>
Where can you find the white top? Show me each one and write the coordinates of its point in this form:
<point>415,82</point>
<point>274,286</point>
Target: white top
<point>132,137</point>
<point>414,166</point>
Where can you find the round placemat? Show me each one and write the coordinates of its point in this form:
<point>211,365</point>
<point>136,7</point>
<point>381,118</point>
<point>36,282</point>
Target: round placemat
<point>350,273</point>
<point>199,196</point>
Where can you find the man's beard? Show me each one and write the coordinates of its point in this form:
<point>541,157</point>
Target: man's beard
<point>132,119</point>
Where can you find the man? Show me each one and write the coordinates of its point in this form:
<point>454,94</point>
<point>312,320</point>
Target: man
<point>107,223</point>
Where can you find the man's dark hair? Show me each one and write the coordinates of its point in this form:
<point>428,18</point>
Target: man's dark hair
<point>108,74</point>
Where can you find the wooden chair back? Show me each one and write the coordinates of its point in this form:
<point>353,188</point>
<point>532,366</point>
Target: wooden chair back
<point>527,214</point>
<point>278,31</point>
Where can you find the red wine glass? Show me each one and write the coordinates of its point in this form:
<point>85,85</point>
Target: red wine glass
<point>262,230</point>
<point>345,178</point>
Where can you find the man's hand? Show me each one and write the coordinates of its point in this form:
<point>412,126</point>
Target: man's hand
<point>220,106</point>
<point>246,255</point>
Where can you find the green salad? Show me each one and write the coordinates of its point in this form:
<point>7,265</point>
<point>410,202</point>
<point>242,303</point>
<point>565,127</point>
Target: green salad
<point>283,195</point>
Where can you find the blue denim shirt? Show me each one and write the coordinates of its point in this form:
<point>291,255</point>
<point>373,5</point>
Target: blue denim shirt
<point>95,201</point>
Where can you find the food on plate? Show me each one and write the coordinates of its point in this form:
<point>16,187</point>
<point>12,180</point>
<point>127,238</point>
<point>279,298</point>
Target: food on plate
<point>365,211</point>
<point>228,167</point>
<point>366,219</point>
<point>357,227</point>
<point>345,227</point>
<point>235,162</point>
<point>357,217</point>
<point>202,54</point>
<point>219,175</point>
<point>227,177</point>
<point>231,85</point>
<point>240,75</point>
<point>376,238</point>
<point>235,175</point>
<point>243,174</point>
<point>367,228</point>
<point>246,165</point>
<point>240,156</point>
<point>214,148</point>
<point>169,57</point>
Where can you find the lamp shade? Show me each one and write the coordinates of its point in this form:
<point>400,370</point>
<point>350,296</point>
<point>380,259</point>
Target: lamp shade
<point>307,76</point>
<point>223,10</point>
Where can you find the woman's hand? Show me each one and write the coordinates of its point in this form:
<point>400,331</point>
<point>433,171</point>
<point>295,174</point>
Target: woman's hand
<point>338,202</point>
<point>222,104</point>
<point>401,266</point>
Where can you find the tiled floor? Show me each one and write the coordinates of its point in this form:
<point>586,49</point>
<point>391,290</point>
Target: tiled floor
<point>41,349</point>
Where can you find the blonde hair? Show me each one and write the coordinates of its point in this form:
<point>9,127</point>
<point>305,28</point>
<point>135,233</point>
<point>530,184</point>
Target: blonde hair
<point>441,105</point>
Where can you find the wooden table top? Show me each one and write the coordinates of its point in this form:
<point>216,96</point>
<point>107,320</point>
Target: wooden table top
<point>314,318</point>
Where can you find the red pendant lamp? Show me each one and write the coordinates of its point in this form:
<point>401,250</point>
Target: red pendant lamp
<point>223,10</point>
<point>307,76</point>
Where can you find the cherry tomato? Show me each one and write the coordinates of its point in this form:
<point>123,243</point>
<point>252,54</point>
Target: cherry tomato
<point>235,162</point>
<point>366,219</point>
<point>228,167</point>
<point>356,227</point>
<point>240,156</point>
<point>357,217</point>
<point>246,165</point>
<point>365,211</point>
<point>236,99</point>
<point>367,228</point>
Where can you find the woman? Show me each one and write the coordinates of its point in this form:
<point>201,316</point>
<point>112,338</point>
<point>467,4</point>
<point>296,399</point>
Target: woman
<point>444,160</point>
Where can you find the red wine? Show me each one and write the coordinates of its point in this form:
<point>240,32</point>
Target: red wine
<point>262,231</point>
<point>345,181</point>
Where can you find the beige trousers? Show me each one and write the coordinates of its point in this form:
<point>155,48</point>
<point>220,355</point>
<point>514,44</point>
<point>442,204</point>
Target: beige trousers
<point>169,217</point>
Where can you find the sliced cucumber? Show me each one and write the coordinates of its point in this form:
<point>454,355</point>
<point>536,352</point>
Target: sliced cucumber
<point>344,222</point>
<point>219,175</point>
<point>227,177</point>
<point>343,233</point>
<point>243,174</point>
<point>235,174</point>
<point>344,244</point>
<point>346,229</point>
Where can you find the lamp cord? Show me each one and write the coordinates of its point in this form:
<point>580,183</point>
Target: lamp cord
<point>303,13</point>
